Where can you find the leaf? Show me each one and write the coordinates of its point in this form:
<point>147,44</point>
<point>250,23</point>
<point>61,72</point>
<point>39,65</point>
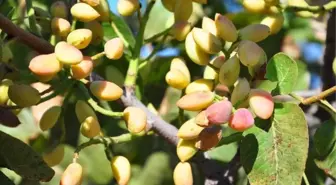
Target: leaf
<point>22,159</point>
<point>123,31</point>
<point>303,79</point>
<point>328,164</point>
<point>98,168</point>
<point>159,20</point>
<point>235,137</point>
<point>8,118</point>
<point>279,155</point>
<point>282,69</point>
<point>267,85</point>
<point>4,180</point>
<point>325,146</point>
<point>325,138</point>
<point>156,170</point>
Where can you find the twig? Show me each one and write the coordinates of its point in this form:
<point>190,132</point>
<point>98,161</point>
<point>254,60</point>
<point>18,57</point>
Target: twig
<point>105,140</point>
<point>95,105</point>
<point>27,38</point>
<point>320,96</point>
<point>133,67</point>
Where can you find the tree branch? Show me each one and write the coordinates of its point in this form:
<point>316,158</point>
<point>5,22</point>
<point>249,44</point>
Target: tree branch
<point>214,173</point>
<point>25,37</point>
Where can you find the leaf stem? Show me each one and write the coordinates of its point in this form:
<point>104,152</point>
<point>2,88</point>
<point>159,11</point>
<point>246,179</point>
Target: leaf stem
<point>305,179</point>
<point>73,24</point>
<point>98,56</point>
<point>181,111</point>
<point>105,140</point>
<point>133,67</point>
<point>103,111</point>
<point>95,105</point>
<point>119,34</point>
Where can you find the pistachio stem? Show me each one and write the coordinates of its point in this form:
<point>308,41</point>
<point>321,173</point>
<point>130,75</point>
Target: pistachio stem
<point>98,55</point>
<point>102,140</point>
<point>133,67</point>
<point>95,105</point>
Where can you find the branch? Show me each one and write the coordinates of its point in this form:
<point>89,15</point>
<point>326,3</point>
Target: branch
<point>214,172</point>
<point>25,37</point>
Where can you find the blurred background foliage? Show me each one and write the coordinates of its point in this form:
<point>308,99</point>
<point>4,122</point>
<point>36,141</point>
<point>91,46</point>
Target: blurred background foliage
<point>152,158</point>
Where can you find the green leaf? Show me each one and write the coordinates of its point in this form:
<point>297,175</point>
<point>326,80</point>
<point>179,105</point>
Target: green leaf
<point>303,79</point>
<point>123,31</point>
<point>156,170</point>
<point>282,69</point>
<point>325,138</point>
<point>266,85</point>
<point>235,137</point>
<point>4,180</point>
<point>328,163</point>
<point>159,20</point>
<point>277,156</point>
<point>22,159</point>
<point>98,168</point>
<point>325,146</point>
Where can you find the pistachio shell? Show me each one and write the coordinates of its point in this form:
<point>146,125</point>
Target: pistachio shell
<point>261,103</point>
<point>84,12</point>
<point>83,69</point>
<point>196,101</point>
<point>73,175</point>
<point>254,32</point>
<point>90,127</point>
<point>195,53</point>
<point>106,90</point>
<point>186,149</point>
<point>241,120</point>
<point>189,130</point>
<point>68,54</point>
<point>114,48</point>
<point>225,28</point>
<point>127,7</point>
<point>121,169</point>
<point>60,26</point>
<point>206,41</point>
<point>136,119</point>
<point>45,66</point>
<point>177,79</point>
<point>183,174</point>
<point>183,10</point>
<point>80,38</point>
<point>200,85</point>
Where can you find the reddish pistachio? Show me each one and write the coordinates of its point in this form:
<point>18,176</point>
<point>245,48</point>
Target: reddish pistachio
<point>219,112</point>
<point>241,120</point>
